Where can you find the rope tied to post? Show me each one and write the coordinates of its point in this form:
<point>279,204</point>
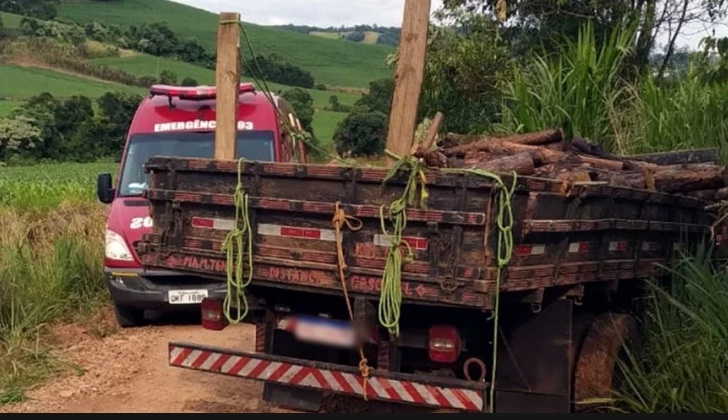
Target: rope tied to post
<point>339,220</point>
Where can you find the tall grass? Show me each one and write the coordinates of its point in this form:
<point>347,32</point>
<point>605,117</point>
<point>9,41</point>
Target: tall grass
<point>682,115</point>
<point>579,89</point>
<point>572,89</point>
<point>51,255</point>
<point>682,364</point>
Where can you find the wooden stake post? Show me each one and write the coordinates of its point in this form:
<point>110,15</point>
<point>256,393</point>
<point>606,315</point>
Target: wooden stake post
<point>227,79</point>
<point>408,76</point>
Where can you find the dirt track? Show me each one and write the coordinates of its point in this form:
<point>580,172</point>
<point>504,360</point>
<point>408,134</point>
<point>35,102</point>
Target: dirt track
<point>126,371</point>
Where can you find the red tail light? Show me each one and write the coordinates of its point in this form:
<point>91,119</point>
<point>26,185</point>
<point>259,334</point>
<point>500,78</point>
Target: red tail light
<point>443,344</point>
<point>213,317</point>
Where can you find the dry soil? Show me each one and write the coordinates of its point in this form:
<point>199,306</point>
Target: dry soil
<point>126,371</point>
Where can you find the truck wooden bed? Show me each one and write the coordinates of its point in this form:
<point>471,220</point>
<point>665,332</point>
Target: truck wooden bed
<point>566,236</point>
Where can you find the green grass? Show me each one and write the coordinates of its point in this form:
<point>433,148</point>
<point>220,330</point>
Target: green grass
<point>51,255</point>
<point>47,186</point>
<point>330,61</point>
<point>682,364</point>
<point>7,106</point>
<point>329,35</point>
<point>147,65</point>
<point>10,20</point>
<point>24,82</point>
<point>324,125</point>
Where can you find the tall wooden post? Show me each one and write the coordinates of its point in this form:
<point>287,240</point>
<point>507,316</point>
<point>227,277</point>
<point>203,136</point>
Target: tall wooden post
<point>227,79</point>
<point>408,76</point>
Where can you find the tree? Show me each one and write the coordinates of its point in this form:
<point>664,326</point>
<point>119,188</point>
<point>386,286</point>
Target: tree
<point>379,97</point>
<point>545,23</point>
<point>17,136</point>
<point>466,63</point>
<point>302,104</point>
<point>116,112</point>
<point>356,36</point>
<point>168,77</point>
<point>362,133</point>
<point>188,81</point>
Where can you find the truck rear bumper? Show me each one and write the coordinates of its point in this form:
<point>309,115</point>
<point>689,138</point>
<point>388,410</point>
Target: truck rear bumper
<point>384,386</point>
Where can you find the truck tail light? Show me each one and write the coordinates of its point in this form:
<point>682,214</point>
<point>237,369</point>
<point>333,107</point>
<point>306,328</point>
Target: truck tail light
<point>443,344</point>
<point>213,317</point>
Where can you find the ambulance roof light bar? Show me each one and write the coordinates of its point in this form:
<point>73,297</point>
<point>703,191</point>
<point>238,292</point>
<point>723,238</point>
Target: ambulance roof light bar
<point>194,93</point>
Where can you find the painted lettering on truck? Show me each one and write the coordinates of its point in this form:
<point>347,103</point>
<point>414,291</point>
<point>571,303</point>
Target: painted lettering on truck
<point>196,125</point>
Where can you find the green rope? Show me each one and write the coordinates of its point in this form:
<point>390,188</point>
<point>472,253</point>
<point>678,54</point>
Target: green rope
<point>504,252</point>
<point>390,298</point>
<point>235,251</point>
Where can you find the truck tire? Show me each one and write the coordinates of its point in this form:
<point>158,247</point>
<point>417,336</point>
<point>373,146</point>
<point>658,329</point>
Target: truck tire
<point>128,317</point>
<point>598,355</point>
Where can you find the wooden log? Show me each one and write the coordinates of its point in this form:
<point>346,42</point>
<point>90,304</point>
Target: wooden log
<point>541,155</point>
<point>721,194</point>
<point>533,139</point>
<point>709,155</point>
<point>702,194</point>
<point>671,181</point>
<point>521,163</point>
<point>421,149</point>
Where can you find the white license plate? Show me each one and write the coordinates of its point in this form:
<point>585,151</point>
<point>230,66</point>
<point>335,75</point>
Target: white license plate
<point>186,297</point>
<point>324,331</point>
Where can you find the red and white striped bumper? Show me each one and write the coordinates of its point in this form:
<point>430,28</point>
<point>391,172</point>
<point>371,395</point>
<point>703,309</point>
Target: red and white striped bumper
<point>384,386</point>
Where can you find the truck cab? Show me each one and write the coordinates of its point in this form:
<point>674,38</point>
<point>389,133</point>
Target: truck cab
<point>178,122</point>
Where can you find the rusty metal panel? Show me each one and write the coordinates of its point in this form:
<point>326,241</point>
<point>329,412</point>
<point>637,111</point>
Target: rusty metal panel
<point>564,235</point>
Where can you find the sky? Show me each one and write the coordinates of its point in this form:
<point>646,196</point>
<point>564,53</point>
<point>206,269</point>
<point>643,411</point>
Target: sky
<point>325,13</point>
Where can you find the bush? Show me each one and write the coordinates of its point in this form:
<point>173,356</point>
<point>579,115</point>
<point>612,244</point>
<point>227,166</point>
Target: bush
<point>272,68</point>
<point>362,133</point>
<point>188,81</point>
<point>356,36</point>
<point>168,77</point>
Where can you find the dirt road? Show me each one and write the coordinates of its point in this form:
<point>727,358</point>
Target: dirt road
<point>126,371</point>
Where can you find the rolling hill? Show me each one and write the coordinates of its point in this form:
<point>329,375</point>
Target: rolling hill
<point>20,83</point>
<point>147,65</point>
<point>330,61</point>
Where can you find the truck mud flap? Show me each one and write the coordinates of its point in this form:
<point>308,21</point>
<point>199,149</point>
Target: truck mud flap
<point>383,386</point>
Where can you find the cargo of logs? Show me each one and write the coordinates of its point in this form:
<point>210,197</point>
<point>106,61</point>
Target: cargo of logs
<point>546,154</point>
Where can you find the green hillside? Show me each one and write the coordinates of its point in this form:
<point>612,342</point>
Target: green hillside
<point>23,82</point>
<point>330,61</point>
<point>10,20</point>
<point>7,106</point>
<point>144,65</point>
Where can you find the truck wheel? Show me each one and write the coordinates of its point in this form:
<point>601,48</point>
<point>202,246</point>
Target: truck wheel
<point>128,317</point>
<point>600,350</point>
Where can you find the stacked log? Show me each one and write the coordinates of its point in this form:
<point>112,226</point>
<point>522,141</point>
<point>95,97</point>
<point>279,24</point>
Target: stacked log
<point>547,154</point>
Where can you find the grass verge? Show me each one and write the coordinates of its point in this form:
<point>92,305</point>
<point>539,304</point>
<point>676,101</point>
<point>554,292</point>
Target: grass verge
<point>51,255</point>
<point>682,364</point>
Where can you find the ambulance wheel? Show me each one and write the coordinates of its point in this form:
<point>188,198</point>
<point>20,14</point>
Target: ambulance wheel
<point>128,317</point>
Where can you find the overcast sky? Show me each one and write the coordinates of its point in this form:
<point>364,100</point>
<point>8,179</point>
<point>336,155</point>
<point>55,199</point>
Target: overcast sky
<point>326,13</point>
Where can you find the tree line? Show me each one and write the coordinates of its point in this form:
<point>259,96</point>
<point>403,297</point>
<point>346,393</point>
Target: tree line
<point>50,129</point>
<point>388,35</point>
